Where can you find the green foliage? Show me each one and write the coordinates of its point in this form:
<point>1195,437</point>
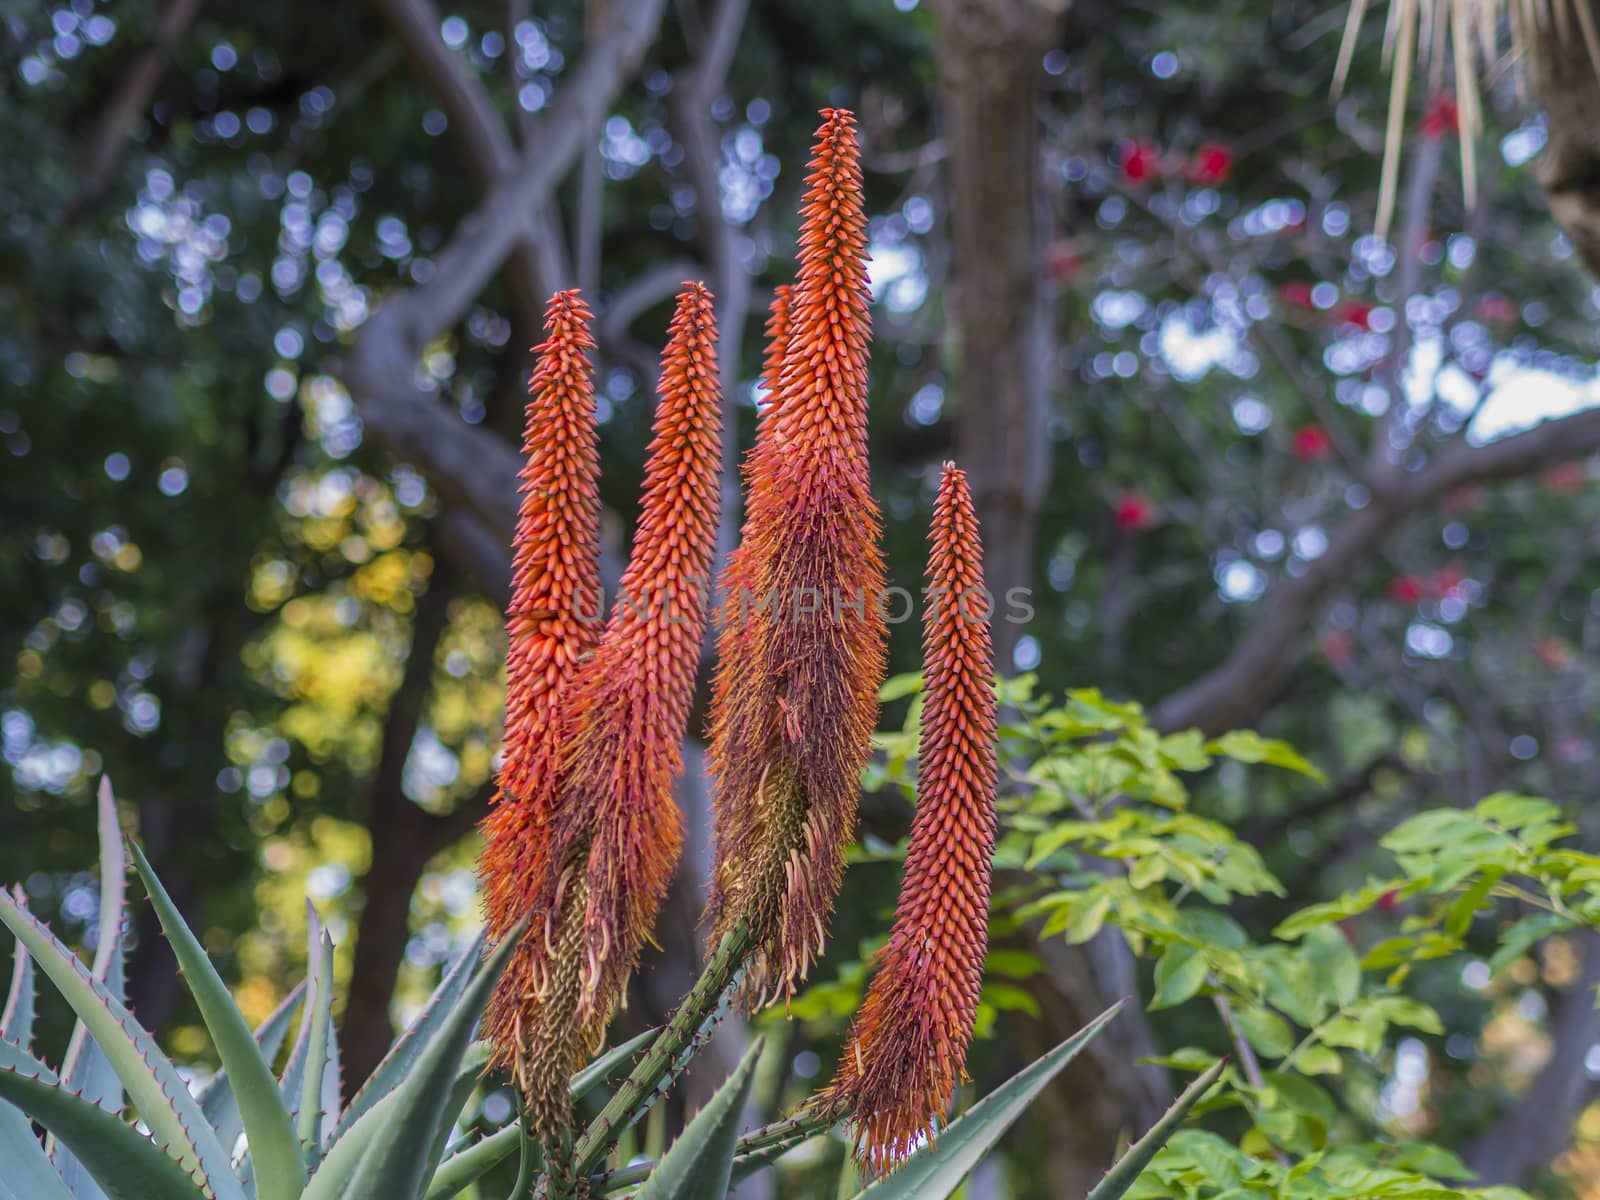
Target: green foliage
<point>1100,815</point>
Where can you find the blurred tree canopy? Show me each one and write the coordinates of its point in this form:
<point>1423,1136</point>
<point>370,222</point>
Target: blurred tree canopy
<point>270,273</point>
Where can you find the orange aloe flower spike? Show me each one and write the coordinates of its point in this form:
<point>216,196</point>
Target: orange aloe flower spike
<point>735,647</point>
<point>552,620</point>
<point>907,1048</point>
<point>793,729</point>
<point>619,823</point>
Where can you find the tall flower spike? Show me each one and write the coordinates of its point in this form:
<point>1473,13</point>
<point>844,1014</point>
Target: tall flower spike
<point>791,730</point>
<point>908,1045</point>
<point>736,636</point>
<point>552,620</point>
<point>617,829</point>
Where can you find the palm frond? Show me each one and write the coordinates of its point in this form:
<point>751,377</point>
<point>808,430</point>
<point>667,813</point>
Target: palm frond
<point>1467,33</point>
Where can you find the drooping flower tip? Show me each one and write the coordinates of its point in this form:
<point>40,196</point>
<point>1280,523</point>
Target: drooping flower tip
<point>793,713</point>
<point>907,1048</point>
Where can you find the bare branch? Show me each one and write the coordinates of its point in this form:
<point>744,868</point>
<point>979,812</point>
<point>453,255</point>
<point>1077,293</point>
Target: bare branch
<point>644,291</point>
<point>465,463</point>
<point>476,553</point>
<point>1425,159</point>
<point>1236,692</point>
<point>702,154</point>
<point>467,107</point>
<point>110,139</point>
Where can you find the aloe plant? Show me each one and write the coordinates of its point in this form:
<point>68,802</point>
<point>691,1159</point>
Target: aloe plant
<point>250,1134</point>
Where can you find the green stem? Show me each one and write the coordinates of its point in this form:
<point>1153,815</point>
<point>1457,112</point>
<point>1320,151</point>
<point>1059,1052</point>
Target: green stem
<point>523,1188</point>
<point>784,1135</point>
<point>560,1179</point>
<point>661,1062</point>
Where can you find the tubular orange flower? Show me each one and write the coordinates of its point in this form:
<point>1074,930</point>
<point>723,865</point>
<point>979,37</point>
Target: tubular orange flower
<point>551,621</point>
<point>617,831</point>
<point>790,731</point>
<point>736,636</point>
<point>909,1042</point>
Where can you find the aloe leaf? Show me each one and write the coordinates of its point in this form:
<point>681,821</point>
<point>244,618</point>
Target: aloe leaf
<point>85,1067</point>
<point>29,1173</point>
<point>216,1097</point>
<point>461,1170</point>
<point>273,1149</point>
<point>1134,1160</point>
<point>316,1067</point>
<point>332,1082</point>
<point>936,1171</point>
<point>16,1019</point>
<point>747,1162</point>
<point>332,1175</point>
<point>396,1162</point>
<point>163,1099</point>
<point>408,1047</point>
<point>465,1167</point>
<point>123,1162</point>
<point>699,1163</point>
<point>292,1081</point>
<point>374,1105</point>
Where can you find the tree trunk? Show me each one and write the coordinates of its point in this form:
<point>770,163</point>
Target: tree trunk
<point>1538,1127</point>
<point>400,850</point>
<point>989,55</point>
<point>1564,76</point>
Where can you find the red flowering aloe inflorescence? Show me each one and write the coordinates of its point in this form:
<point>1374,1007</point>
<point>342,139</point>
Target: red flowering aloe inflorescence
<point>908,1045</point>
<point>631,703</point>
<point>796,703</point>
<point>550,623</point>
<point>586,834</point>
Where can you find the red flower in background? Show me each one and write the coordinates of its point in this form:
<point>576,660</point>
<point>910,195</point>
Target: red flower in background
<point>1442,117</point>
<point>1211,164</point>
<point>1133,512</point>
<point>1405,589</point>
<point>1447,579</point>
<point>1296,294</point>
<point>1060,262</point>
<point>1140,162</point>
<point>1496,310</point>
<point>1312,444</point>
<point>1552,652</point>
<point>1357,313</point>
<point>1338,647</point>
<point>1566,479</point>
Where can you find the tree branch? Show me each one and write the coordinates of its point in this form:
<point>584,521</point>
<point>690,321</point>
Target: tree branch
<point>467,464</point>
<point>110,139</point>
<point>470,113</point>
<point>702,153</point>
<point>398,854</point>
<point>1235,693</point>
